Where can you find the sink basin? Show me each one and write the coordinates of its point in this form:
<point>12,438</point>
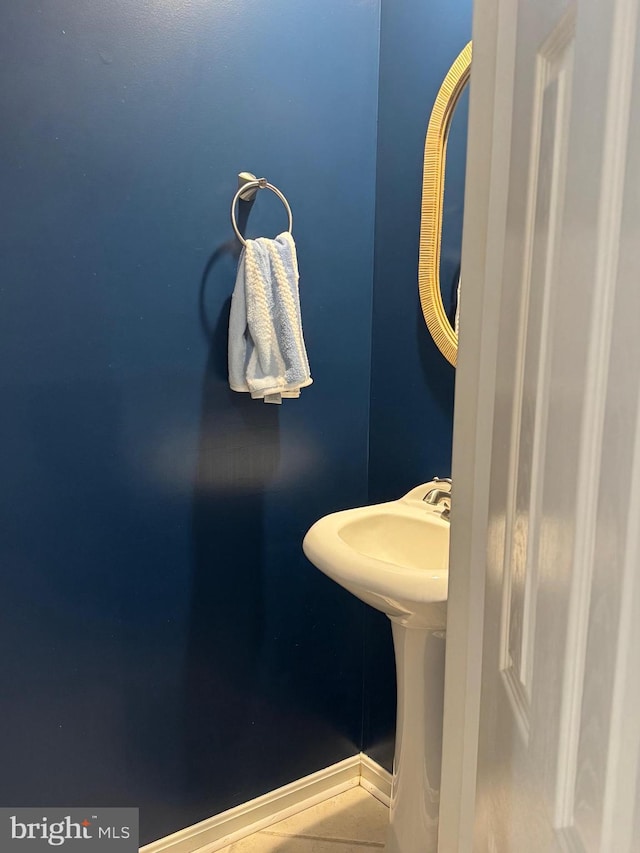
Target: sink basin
<point>394,556</point>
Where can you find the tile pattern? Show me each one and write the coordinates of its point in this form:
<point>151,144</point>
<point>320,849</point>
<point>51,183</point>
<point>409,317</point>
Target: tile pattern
<point>352,822</point>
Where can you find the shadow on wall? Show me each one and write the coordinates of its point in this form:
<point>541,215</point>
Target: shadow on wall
<point>238,457</point>
<point>441,383</point>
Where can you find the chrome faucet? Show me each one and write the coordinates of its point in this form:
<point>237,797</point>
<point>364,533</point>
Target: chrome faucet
<point>440,497</point>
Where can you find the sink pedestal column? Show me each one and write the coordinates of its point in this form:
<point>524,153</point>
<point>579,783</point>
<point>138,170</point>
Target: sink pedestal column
<point>415,791</point>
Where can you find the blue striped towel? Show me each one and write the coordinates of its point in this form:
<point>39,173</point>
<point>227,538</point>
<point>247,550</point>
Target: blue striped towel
<point>267,355</point>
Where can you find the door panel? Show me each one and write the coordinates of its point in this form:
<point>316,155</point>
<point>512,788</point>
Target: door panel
<point>559,731</point>
<point>549,126</point>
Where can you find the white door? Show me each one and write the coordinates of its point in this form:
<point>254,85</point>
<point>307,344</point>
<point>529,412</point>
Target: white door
<point>559,726</point>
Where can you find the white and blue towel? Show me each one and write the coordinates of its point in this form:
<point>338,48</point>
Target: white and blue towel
<point>267,355</point>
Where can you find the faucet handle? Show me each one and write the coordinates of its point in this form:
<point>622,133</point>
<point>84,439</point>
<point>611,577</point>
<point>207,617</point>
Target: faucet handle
<point>442,480</point>
<point>435,495</point>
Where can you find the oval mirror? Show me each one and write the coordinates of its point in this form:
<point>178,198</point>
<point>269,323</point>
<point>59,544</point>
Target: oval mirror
<point>432,278</point>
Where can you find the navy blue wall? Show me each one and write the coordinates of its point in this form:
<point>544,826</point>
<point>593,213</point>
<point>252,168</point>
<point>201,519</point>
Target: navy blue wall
<point>164,642</point>
<point>412,384</point>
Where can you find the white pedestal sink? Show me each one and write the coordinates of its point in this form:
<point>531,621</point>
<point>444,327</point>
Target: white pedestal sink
<point>395,557</point>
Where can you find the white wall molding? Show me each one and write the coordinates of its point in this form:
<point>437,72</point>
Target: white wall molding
<point>227,827</point>
<point>375,779</point>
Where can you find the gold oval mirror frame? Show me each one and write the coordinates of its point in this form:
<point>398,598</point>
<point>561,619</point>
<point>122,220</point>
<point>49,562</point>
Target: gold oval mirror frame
<point>435,155</point>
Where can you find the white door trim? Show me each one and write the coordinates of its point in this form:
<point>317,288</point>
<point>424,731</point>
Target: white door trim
<point>488,149</point>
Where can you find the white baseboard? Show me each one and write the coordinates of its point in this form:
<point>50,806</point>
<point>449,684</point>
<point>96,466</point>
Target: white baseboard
<point>223,829</point>
<point>375,779</point>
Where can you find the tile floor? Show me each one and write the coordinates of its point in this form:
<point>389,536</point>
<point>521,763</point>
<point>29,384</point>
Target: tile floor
<point>352,822</point>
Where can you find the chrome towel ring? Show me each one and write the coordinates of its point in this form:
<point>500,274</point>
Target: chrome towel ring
<point>249,185</point>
